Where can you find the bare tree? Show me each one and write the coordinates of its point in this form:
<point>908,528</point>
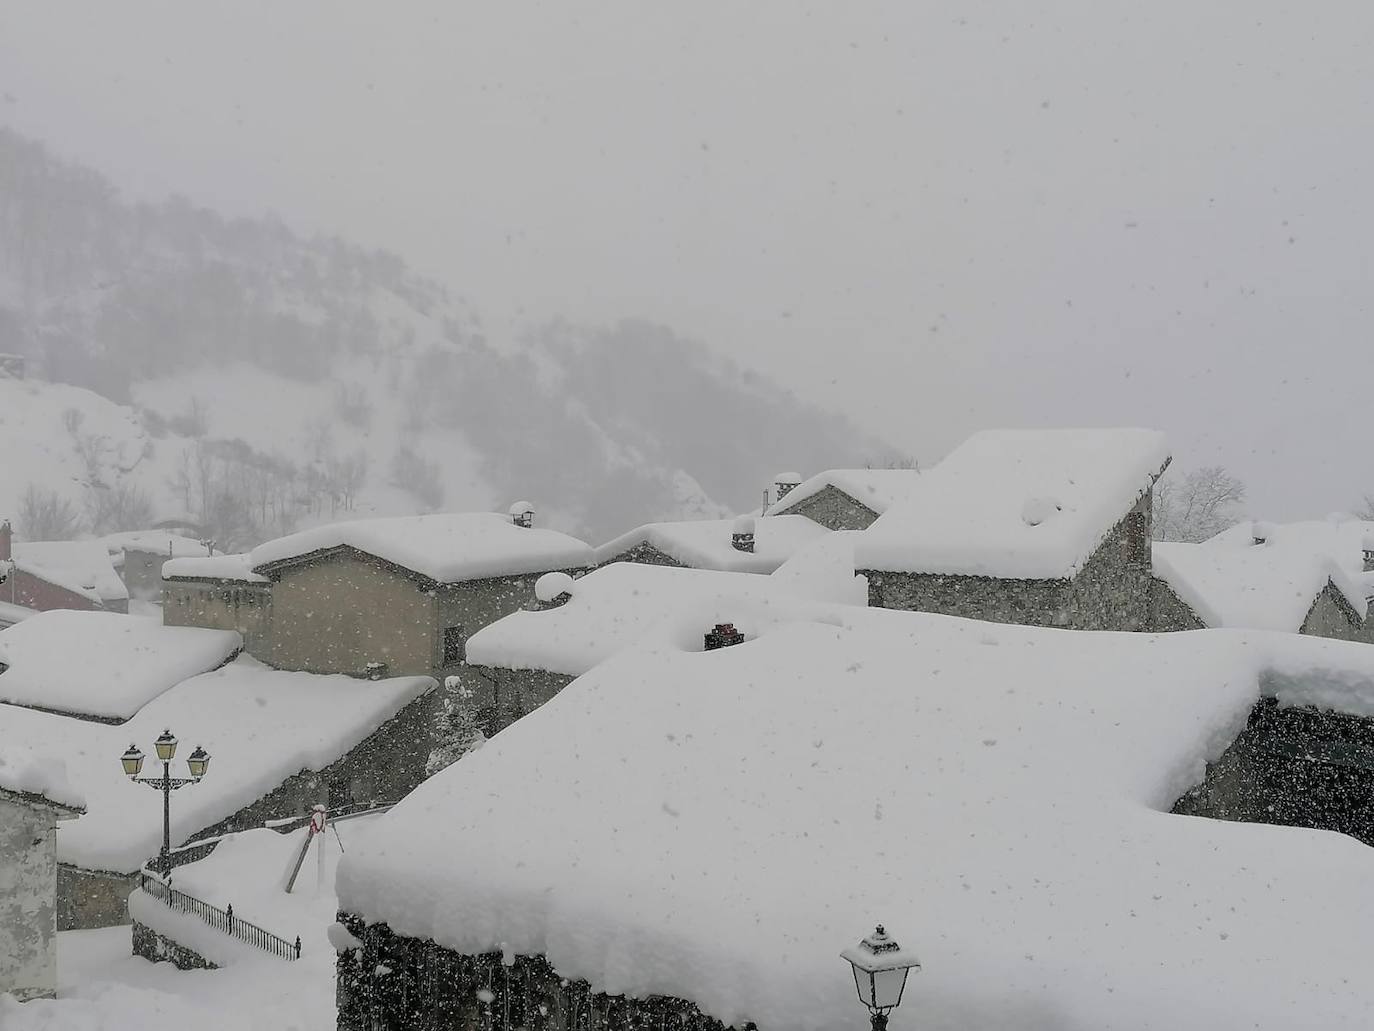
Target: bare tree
<point>44,515</point>
<point>122,507</point>
<point>1196,505</point>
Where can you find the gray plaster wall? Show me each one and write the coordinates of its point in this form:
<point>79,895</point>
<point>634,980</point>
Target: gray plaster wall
<point>385,767</point>
<point>478,603</point>
<point>1111,592</point>
<point>222,605</point>
<point>28,899</point>
<point>833,509</point>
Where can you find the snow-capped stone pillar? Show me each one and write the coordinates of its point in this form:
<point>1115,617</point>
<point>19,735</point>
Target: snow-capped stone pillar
<point>6,541</point>
<point>784,484</point>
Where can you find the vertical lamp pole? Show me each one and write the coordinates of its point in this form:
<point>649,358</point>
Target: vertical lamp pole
<point>166,748</point>
<point>880,969</point>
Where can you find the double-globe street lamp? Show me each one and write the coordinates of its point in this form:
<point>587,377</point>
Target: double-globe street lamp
<point>880,969</point>
<point>166,748</point>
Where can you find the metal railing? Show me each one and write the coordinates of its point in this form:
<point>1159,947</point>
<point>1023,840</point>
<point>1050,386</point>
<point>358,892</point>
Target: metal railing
<point>221,919</point>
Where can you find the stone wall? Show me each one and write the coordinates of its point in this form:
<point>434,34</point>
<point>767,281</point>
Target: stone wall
<point>28,894</point>
<point>158,948</point>
<point>646,555</point>
<point>1169,612</point>
<point>1111,592</point>
<point>222,605</point>
<point>833,509</point>
<point>1295,767</point>
<point>385,767</point>
<point>1332,616</point>
<point>394,983</point>
<point>501,696</point>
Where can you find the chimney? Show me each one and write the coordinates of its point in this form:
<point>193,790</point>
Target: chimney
<point>784,484</point>
<point>1261,532</point>
<point>742,534</point>
<point>522,514</point>
<point>723,636</point>
<point>6,539</point>
<point>1369,554</point>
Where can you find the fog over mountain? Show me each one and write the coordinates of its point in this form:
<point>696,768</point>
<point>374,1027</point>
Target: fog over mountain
<point>269,379</point>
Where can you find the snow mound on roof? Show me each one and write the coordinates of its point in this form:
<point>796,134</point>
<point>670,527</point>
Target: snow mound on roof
<point>260,726</point>
<point>103,663</point>
<point>552,586</point>
<point>213,567</point>
<point>82,567</point>
<point>1266,587</point>
<point>875,489</point>
<point>706,543</point>
<point>966,516</point>
<point>447,548</point>
<point>154,542</point>
<point>824,570</point>
<point>995,795</point>
<point>44,776</point>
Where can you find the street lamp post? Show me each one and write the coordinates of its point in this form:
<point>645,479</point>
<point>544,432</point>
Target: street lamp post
<point>166,748</point>
<point>880,969</point>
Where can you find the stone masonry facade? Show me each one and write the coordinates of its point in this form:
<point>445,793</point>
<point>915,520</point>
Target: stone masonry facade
<point>833,509</point>
<point>1111,592</point>
<point>500,696</point>
<point>395,983</point>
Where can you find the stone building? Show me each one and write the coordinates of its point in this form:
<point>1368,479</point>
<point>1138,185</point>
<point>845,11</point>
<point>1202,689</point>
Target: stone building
<point>846,499</point>
<point>44,575</point>
<point>139,555</point>
<point>1041,527</point>
<point>220,592</point>
<point>29,814</point>
<point>743,545</point>
<point>1256,583</point>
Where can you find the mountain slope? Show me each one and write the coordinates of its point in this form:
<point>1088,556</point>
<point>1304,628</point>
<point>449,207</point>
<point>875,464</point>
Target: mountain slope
<point>275,380</point>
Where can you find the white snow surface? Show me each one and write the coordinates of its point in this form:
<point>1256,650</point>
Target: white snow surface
<point>448,548</point>
<point>259,725</point>
<point>214,567</point>
<point>103,663</point>
<point>997,796</point>
<point>1237,583</point>
<point>11,614</point>
<point>154,542</point>
<point>619,605</point>
<point>824,570</point>
<point>83,567</point>
<point>967,515</point>
<point>875,489</point>
<point>46,776</point>
<point>705,543</point>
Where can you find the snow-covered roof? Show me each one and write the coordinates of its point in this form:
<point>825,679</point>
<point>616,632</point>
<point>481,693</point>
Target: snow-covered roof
<point>11,614</point>
<point>620,604</point>
<point>103,663</point>
<point>41,780</point>
<point>213,567</point>
<point>259,725</point>
<point>446,548</point>
<point>82,567</point>
<point>154,542</point>
<point>876,489</point>
<point>1340,538</point>
<point>824,570</point>
<point>1016,504</point>
<point>1237,583</point>
<point>997,796</point>
<point>706,543</point>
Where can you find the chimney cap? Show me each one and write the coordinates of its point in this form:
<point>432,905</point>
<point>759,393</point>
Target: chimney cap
<point>792,478</point>
<point>743,524</point>
<point>521,507</point>
<point>1260,532</point>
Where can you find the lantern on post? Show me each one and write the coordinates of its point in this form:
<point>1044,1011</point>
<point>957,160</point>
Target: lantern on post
<point>880,970</point>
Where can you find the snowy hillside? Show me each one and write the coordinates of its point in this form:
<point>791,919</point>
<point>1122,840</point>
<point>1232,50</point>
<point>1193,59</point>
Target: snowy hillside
<point>271,381</point>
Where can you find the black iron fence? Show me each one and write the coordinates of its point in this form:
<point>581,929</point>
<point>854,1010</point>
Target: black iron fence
<point>220,919</point>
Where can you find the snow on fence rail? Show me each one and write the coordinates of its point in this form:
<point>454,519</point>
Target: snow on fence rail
<point>221,919</point>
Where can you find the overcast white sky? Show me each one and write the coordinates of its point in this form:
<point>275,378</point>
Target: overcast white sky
<point>938,217</point>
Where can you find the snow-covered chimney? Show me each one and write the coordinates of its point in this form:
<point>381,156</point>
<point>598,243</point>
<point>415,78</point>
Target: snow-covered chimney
<point>522,514</point>
<point>1369,554</point>
<point>742,534</point>
<point>723,636</point>
<point>6,541</point>
<point>784,484</point>
<point>1261,532</point>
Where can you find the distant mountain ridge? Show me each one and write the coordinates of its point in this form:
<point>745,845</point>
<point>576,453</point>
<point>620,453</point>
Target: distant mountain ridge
<point>269,380</point>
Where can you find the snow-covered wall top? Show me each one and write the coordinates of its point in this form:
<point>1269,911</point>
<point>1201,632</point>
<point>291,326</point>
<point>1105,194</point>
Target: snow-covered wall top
<point>260,726</point>
<point>706,543</point>
<point>1027,504</point>
<point>824,570</point>
<point>82,567</point>
<point>103,663</point>
<point>447,548</point>
<point>618,605</point>
<point>43,777</point>
<point>214,567</point>
<point>875,489</point>
<point>154,542</point>
<point>727,821</point>
<point>1237,583</point>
